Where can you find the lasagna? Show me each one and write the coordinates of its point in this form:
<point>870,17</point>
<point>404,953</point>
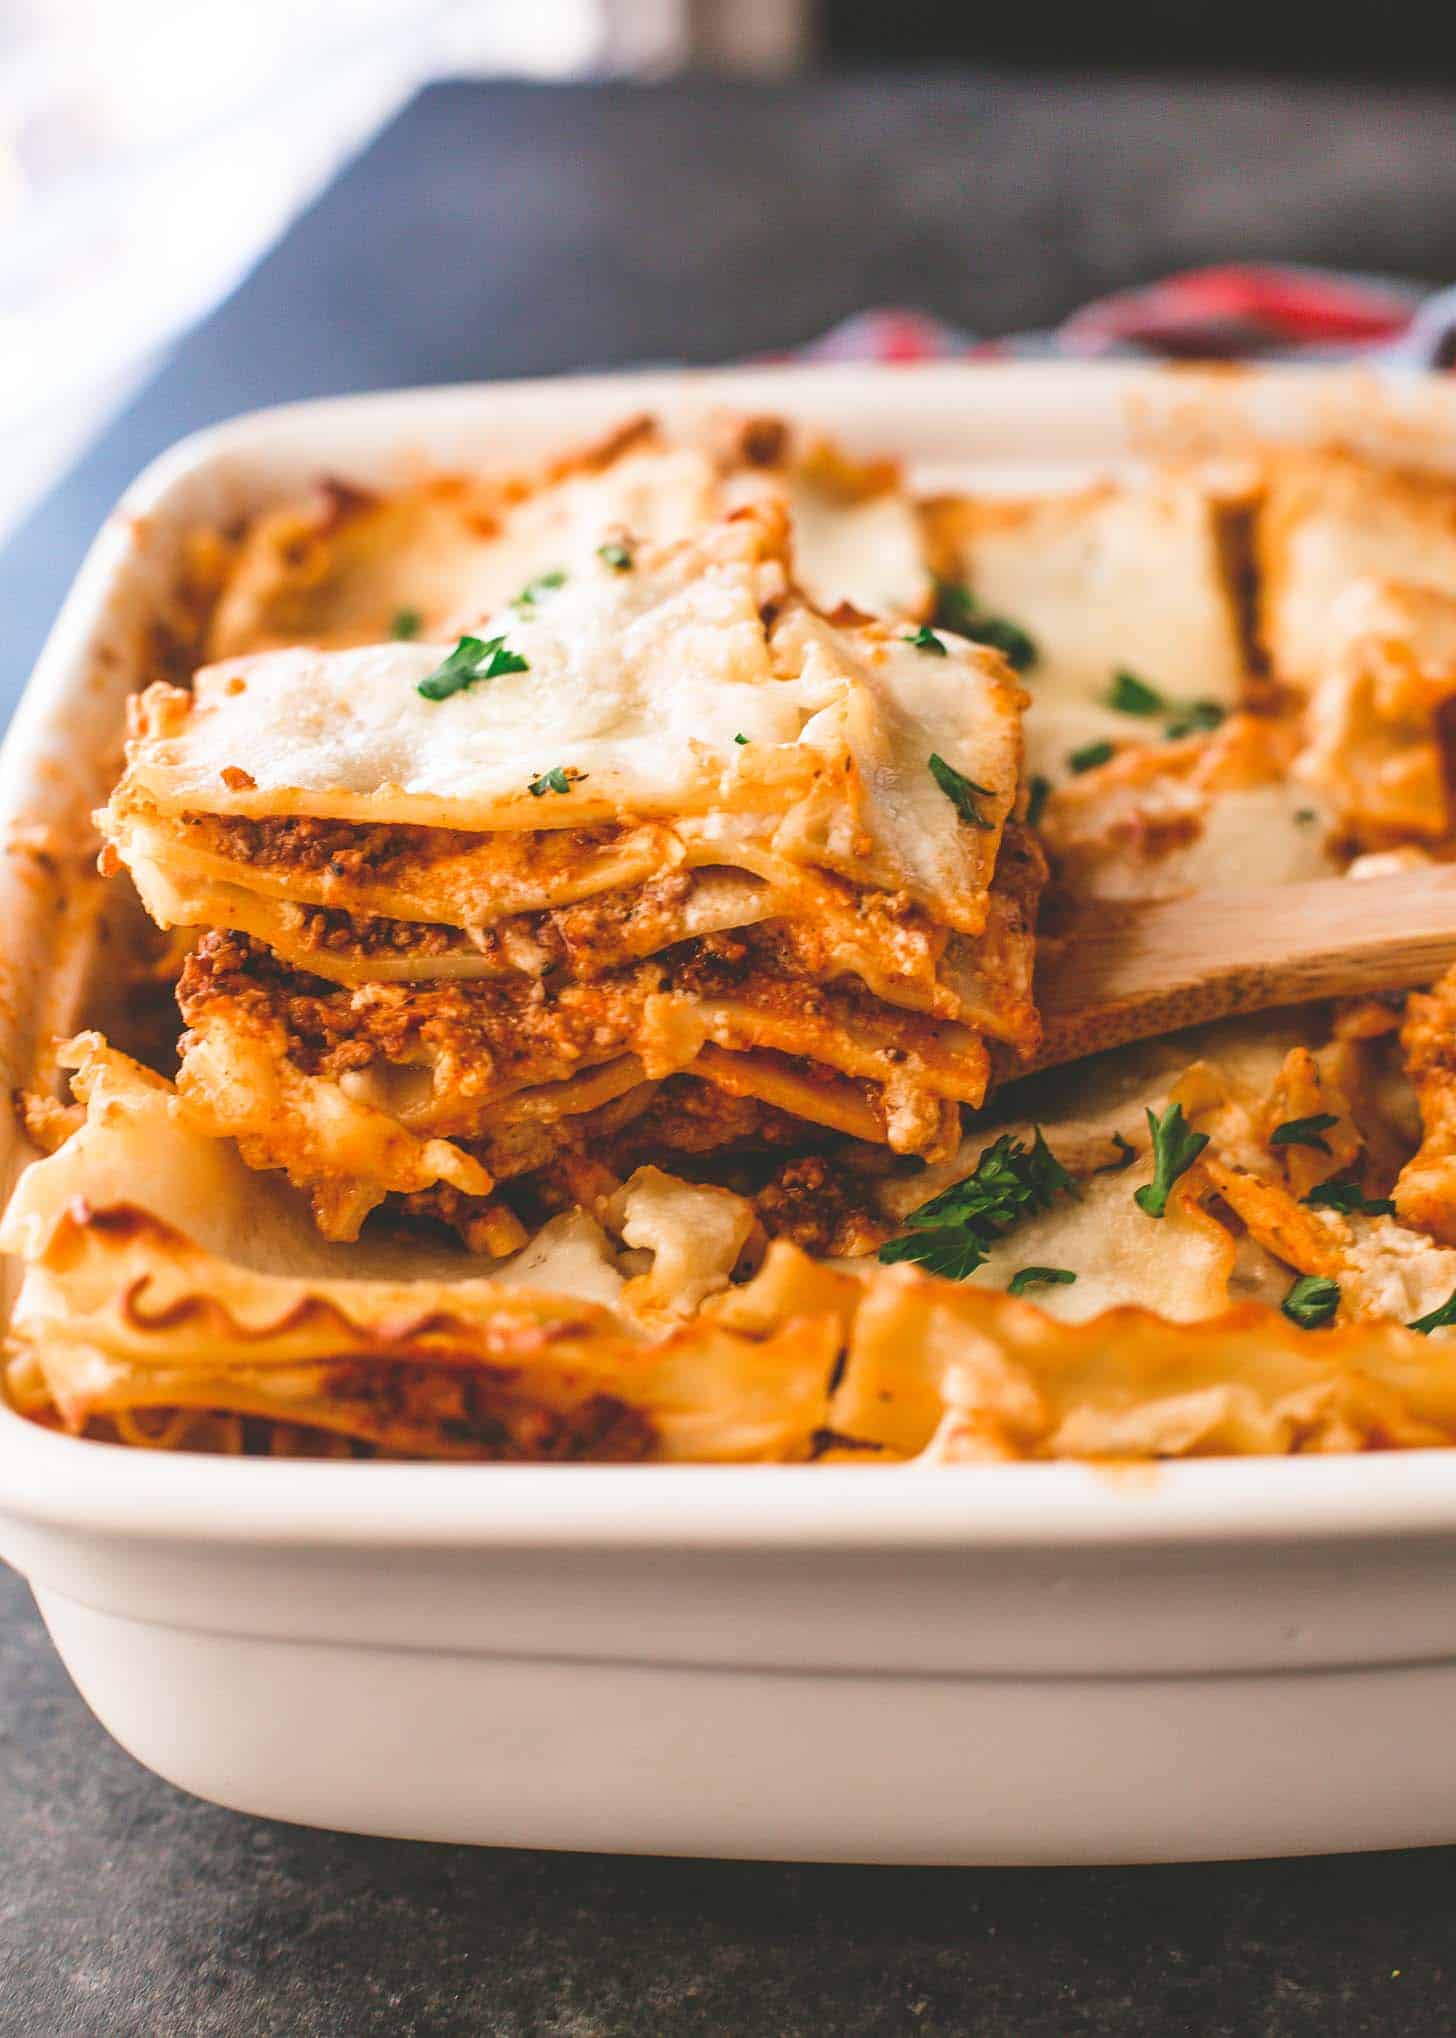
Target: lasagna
<point>601,906</point>
<point>656,854</point>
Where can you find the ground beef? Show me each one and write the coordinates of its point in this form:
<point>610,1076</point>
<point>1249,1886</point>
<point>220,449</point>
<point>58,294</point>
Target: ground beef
<point>480,1408</point>
<point>363,849</point>
<point>491,1030</point>
<point>825,1208</point>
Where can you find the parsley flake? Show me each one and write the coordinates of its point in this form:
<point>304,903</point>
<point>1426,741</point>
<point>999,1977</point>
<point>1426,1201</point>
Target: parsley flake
<point>1175,1149</point>
<point>1305,1131</point>
<point>961,792</point>
<point>472,659</point>
<point>1436,1319</point>
<point>740,737</point>
<point>1312,1301</point>
<point>1198,718</point>
<point>1305,816</point>
<point>1133,696</point>
<point>1348,1198</point>
<point>544,583</point>
<point>1126,1155</point>
<point>615,555</point>
<point>1130,695</point>
<point>553,781</point>
<point>953,1251</point>
<point>925,639</point>
<point>1039,1277</point>
<point>1088,757</point>
<point>957,609</point>
<point>1038,792</point>
<point>407,623</point>
<point>951,1234</point>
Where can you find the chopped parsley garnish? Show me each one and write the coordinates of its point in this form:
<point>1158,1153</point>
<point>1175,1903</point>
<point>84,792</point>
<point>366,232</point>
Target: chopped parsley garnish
<point>1175,1149</point>
<point>740,737</point>
<point>1305,1131</point>
<point>553,781</point>
<point>1088,757</point>
<point>1130,695</point>
<point>618,557</point>
<point>925,639</point>
<point>407,623</point>
<point>1305,816</point>
<point>1016,645</point>
<point>1126,1155</point>
<point>956,608</point>
<point>954,1251</point>
<point>1312,1301</point>
<point>1039,1277</point>
<point>472,659</point>
<point>544,583</point>
<point>1194,720</point>
<point>1436,1319</point>
<point>1133,696</point>
<point>952,1233</point>
<point>1348,1198</point>
<point>1038,792</point>
<point>961,792</point>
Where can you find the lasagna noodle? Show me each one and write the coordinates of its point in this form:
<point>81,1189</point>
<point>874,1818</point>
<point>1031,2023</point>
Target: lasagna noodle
<point>1376,742</point>
<point>957,1373</point>
<point>1205,814</point>
<point>485,1373</point>
<point>1425,1194</point>
<point>1327,520</point>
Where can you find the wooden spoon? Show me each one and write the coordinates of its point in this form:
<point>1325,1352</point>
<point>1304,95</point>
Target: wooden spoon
<point>1126,972</point>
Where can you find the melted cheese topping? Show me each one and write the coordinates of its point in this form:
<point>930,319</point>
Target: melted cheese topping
<point>652,497</point>
<point>870,553</point>
<point>638,685</point>
<point>338,568</point>
<point>1106,580</point>
<point>637,680</point>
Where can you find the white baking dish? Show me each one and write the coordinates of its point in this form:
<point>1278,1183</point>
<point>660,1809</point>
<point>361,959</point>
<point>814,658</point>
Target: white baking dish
<point>1045,1663</point>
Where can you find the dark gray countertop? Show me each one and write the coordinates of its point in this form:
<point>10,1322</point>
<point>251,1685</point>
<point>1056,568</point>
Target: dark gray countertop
<point>504,230</point>
<point>128,1910</point>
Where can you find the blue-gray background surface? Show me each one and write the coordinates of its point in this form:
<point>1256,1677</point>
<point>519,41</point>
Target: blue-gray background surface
<point>511,230</point>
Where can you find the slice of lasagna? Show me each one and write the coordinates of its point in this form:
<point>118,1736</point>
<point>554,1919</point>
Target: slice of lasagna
<point>656,860</point>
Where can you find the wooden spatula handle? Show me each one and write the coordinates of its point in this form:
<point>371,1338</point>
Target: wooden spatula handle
<point>1128,972</point>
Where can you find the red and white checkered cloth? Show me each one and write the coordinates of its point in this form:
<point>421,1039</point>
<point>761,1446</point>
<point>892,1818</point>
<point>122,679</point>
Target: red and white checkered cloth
<point>1267,313</point>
